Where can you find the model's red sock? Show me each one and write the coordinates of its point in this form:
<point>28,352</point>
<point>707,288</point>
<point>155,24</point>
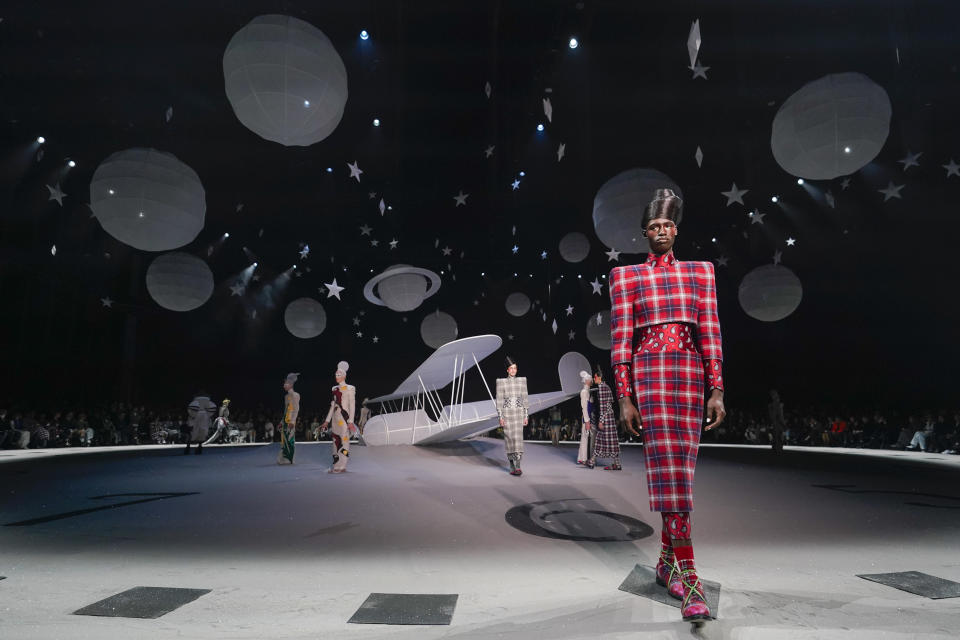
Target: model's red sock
<point>677,526</point>
<point>666,548</point>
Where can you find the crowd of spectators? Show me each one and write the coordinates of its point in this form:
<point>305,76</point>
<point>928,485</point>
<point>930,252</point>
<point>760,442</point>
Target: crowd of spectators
<point>121,424</point>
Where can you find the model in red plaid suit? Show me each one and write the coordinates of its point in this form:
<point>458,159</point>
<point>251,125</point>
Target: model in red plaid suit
<point>665,338</point>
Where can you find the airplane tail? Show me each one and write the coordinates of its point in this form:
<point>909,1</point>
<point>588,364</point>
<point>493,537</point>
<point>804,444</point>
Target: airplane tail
<point>571,364</point>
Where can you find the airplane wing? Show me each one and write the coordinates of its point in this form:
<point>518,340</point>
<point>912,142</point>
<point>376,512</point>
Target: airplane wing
<point>437,371</point>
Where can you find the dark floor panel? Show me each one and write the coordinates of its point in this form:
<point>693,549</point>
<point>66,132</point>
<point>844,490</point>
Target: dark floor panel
<point>406,608</point>
<point>142,602</point>
<point>918,583</point>
<point>642,581</point>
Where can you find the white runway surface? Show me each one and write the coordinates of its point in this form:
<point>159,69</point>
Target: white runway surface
<point>292,552</point>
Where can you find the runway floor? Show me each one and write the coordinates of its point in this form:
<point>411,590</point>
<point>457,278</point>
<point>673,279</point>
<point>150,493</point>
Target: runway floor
<point>292,552</point>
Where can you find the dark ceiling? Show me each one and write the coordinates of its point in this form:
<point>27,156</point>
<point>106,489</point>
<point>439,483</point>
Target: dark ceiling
<point>879,311</point>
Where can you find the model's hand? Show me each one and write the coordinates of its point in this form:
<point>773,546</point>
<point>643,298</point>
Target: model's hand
<point>716,412</point>
<point>587,426</point>
<point>629,416</point>
<point>502,423</point>
<point>525,421</point>
<point>324,426</point>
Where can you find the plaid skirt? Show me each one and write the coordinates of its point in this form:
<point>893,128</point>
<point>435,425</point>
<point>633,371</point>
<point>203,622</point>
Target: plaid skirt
<point>669,387</point>
<point>608,443</point>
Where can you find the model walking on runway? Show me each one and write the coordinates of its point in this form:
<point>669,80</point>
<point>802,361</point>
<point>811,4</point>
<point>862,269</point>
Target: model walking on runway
<point>512,407</point>
<point>288,423</point>
<point>666,348</point>
<point>341,415</point>
<point>607,441</point>
<point>586,426</point>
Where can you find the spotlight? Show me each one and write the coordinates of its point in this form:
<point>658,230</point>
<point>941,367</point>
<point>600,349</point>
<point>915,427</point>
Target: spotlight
<point>482,273</point>
<point>540,127</point>
<point>306,103</point>
<point>573,44</point>
<point>71,164</point>
<point>364,35</point>
<point>255,264</point>
<point>141,214</point>
<point>713,239</point>
<point>329,169</point>
<point>523,173</point>
<point>41,140</point>
<point>799,180</point>
<point>775,199</point>
<point>376,122</point>
<point>847,149</point>
<point>226,235</point>
<point>579,275</point>
<point>111,191</point>
<point>294,267</point>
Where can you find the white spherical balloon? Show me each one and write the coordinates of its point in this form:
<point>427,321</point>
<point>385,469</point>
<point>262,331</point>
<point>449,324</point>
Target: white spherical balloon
<point>574,247</point>
<point>148,199</point>
<point>517,304</point>
<point>598,334</point>
<point>179,281</point>
<point>437,329</point>
<point>831,127</point>
<point>305,318</point>
<point>285,80</point>
<point>770,293</point>
<point>619,204</point>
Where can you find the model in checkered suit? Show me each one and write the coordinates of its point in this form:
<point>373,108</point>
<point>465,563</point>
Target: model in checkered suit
<point>512,407</point>
<point>608,442</point>
<point>666,350</point>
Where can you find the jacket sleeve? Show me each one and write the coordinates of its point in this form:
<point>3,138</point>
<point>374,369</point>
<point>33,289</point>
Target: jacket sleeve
<point>333,407</point>
<point>351,400</point>
<point>621,331</point>
<point>499,399</point>
<point>708,330</point>
<point>524,399</point>
<point>584,402</point>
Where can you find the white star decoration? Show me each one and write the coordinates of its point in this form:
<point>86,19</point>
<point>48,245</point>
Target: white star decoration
<point>723,260</point>
<point>333,289</point>
<point>365,230</point>
<point>356,321</point>
<point>613,255</point>
<point>543,255</point>
<point>845,183</point>
<point>461,199</point>
<point>447,251</point>
<point>359,334</point>
<point>371,195</point>
<point>571,335</point>
<point>830,199</point>
<point>305,252</point>
<point>756,217</point>
<point>700,71</point>
<point>56,194</point>
<point>515,184</point>
<point>569,309</point>
<point>515,249</point>
<point>394,243</point>
<point>953,169</point>
<point>596,286</point>
<point>374,243</point>
<point>911,160</point>
<point>734,195</point>
<point>376,339</point>
<point>355,170</point>
<point>791,242</point>
<point>237,289</point>
<point>489,150</point>
<point>892,191</point>
<point>106,302</point>
<point>562,149</point>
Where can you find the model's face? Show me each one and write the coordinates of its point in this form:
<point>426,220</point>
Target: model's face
<point>597,379</point>
<point>661,233</point>
<point>512,370</point>
<point>340,376</point>
<point>287,386</point>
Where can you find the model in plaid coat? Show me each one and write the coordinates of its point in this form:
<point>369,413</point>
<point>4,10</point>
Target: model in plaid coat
<point>513,407</point>
<point>608,443</point>
<point>666,348</point>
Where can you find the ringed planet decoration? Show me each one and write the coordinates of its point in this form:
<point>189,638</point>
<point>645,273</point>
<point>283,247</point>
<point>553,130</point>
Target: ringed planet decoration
<point>401,287</point>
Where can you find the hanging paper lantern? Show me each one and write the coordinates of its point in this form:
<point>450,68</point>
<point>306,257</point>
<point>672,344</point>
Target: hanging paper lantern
<point>770,293</point>
<point>619,204</point>
<point>305,318</point>
<point>179,281</point>
<point>598,334</point>
<point>148,199</point>
<point>517,304</point>
<point>437,329</point>
<point>574,247</point>
<point>284,80</point>
<point>831,127</point>
<point>401,287</point>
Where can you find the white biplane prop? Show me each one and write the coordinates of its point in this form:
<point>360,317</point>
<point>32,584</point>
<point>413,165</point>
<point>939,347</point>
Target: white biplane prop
<point>405,419</point>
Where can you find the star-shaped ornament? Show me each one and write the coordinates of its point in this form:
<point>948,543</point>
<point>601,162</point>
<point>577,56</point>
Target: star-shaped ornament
<point>734,195</point>
<point>394,243</point>
<point>333,289</point>
<point>543,255</point>
<point>374,243</point>
<point>356,321</point>
<point>355,170</point>
<point>489,150</point>
<point>756,217</point>
<point>376,339</point>
<point>911,160</point>
<point>359,334</point>
<point>596,286</point>
<point>239,207</point>
<point>700,71</point>
<point>569,309</point>
<point>722,261</point>
<point>106,302</point>
<point>256,277</point>
<point>830,199</point>
<point>365,230</point>
<point>892,191</point>
<point>613,255</point>
<point>515,184</point>
<point>561,150</point>
<point>371,195</point>
<point>237,289</point>
<point>305,252</point>
<point>571,335</point>
<point>56,194</point>
<point>791,242</point>
<point>461,199</point>
<point>447,251</point>
<point>515,249</point>
<point>548,109</point>
<point>953,169</point>
<point>509,336</point>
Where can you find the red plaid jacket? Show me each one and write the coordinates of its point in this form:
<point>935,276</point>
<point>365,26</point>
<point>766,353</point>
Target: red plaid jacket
<point>660,291</point>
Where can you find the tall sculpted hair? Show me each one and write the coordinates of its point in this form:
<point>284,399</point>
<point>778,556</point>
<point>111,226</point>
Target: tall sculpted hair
<point>665,204</point>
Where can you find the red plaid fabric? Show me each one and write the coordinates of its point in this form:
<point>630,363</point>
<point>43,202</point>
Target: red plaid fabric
<point>607,443</point>
<point>669,385</point>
